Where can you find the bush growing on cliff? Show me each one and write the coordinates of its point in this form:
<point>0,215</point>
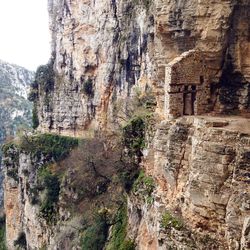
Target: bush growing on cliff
<point>134,141</point>
<point>33,94</point>
<point>168,221</point>
<point>2,234</point>
<point>128,175</point>
<point>144,187</point>
<point>43,85</point>
<point>44,81</point>
<point>52,188</point>
<point>118,240</point>
<point>53,147</point>
<point>135,131</point>
<point>134,136</point>
<point>95,236</point>
<point>13,173</point>
<point>35,119</point>
<point>44,77</point>
<point>11,150</point>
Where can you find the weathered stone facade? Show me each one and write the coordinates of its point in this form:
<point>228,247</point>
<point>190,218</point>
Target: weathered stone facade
<point>187,90</point>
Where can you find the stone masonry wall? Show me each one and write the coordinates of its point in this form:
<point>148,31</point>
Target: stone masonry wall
<point>189,70</point>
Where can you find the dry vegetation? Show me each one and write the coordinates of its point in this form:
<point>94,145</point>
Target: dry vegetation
<point>94,176</point>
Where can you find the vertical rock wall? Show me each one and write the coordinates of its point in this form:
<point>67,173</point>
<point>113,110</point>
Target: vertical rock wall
<point>201,170</point>
<point>102,44</point>
<point>15,109</point>
<point>103,54</point>
<point>110,46</point>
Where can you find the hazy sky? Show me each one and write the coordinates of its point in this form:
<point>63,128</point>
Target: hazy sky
<point>24,32</point>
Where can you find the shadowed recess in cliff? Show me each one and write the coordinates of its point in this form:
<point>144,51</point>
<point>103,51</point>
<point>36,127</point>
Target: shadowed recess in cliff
<point>234,91</point>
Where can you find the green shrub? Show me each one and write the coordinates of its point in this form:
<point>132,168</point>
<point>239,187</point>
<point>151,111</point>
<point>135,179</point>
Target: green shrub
<point>168,221</point>
<point>119,230</point>
<point>6,147</point>
<point>54,147</point>
<point>95,236</point>
<point>44,82</point>
<point>118,239</point>
<point>51,184</point>
<point>21,241</point>
<point>33,95</point>
<point>128,175</point>
<point>11,162</point>
<point>35,119</point>
<point>134,136</point>
<point>144,186</point>
<point>44,77</point>
<point>128,245</point>
<point>11,150</point>
<point>2,234</point>
<point>144,181</point>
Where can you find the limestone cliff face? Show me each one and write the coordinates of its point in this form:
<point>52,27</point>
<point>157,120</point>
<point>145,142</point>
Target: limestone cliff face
<point>100,45</point>
<point>201,167</point>
<point>22,216</point>
<point>112,46</point>
<point>193,58</point>
<point>15,109</point>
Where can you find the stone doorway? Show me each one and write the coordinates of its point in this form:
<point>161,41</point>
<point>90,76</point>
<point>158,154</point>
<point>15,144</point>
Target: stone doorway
<point>189,97</point>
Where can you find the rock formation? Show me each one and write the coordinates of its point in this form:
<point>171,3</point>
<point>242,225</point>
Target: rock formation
<point>163,86</point>
<point>15,83</point>
<point>15,109</point>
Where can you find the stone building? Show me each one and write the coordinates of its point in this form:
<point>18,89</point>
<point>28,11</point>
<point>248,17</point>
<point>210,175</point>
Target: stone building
<point>187,90</point>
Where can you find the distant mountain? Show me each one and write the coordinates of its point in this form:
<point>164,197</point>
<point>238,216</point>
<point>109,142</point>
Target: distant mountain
<point>15,109</point>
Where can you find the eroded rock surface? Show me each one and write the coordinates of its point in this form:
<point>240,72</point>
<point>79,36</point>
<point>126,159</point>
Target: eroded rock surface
<point>112,46</point>
<point>201,170</point>
<point>15,109</point>
<point>193,58</point>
